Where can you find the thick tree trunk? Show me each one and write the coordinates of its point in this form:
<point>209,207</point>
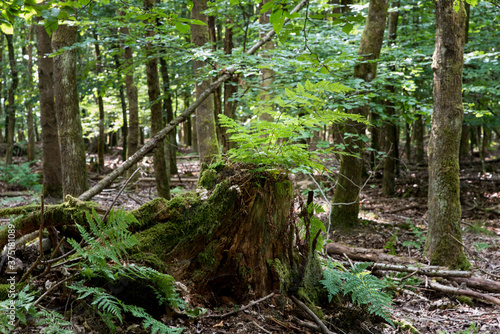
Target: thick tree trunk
<point>52,169</point>
<point>443,245</point>
<point>133,104</point>
<point>11,107</point>
<point>153,81</point>
<point>74,166</point>
<point>346,197</point>
<point>208,144</point>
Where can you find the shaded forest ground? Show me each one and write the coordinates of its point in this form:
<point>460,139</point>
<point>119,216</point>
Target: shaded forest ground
<point>396,224</point>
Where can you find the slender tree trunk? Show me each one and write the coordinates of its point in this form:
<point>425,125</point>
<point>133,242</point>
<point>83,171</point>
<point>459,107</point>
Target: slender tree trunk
<point>212,33</point>
<point>123,103</point>
<point>29,106</point>
<point>465,138</point>
<point>169,112</point>
<point>208,144</point>
<point>74,166</point>
<point>11,107</point>
<point>444,237</point>
<point>419,139</point>
<point>408,142</point>
<point>230,89</point>
<point>1,85</point>
<point>346,197</point>
<point>391,137</point>
<point>153,80</point>
<point>266,74</point>
<point>133,104</point>
<point>52,169</point>
<point>100,103</point>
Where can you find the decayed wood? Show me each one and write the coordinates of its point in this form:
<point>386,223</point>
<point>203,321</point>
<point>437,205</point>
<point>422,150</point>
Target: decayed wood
<point>364,254</point>
<point>226,74</point>
<point>463,292</point>
<point>479,283</point>
<point>431,271</point>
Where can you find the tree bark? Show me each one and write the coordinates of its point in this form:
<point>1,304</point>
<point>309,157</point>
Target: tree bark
<point>443,244</point>
<point>102,136</point>
<point>153,81</point>
<point>419,139</point>
<point>208,144</point>
<point>28,104</point>
<point>346,197</point>
<point>133,104</point>
<point>230,89</point>
<point>1,86</point>
<point>51,154</point>
<point>169,112</point>
<point>11,107</point>
<point>74,166</point>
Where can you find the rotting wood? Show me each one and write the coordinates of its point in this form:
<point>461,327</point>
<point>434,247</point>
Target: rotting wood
<point>479,283</point>
<point>462,292</point>
<point>364,254</point>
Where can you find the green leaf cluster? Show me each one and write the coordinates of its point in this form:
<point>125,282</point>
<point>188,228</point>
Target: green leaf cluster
<point>20,175</point>
<point>364,288</point>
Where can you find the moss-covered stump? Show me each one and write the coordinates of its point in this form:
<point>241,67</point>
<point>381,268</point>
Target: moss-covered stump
<point>235,240</point>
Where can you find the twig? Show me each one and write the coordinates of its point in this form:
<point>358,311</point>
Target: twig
<point>306,324</point>
<point>261,328</point>
<point>119,193</point>
<point>53,287</point>
<point>306,309</point>
<point>252,303</point>
<point>40,236</point>
<point>49,264</point>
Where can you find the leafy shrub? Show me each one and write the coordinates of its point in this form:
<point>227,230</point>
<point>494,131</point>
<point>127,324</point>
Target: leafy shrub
<point>364,288</point>
<point>20,175</point>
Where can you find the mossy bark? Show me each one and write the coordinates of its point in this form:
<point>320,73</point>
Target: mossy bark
<point>443,245</point>
<point>229,245</point>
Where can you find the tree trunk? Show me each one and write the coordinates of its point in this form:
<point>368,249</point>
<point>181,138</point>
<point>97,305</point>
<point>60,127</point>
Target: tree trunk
<point>169,112</point>
<point>266,74</point>
<point>346,197</point>
<point>443,245</point>
<point>1,86</point>
<point>74,166</point>
<point>230,89</point>
<point>208,144</point>
<point>100,103</point>
<point>28,104</point>
<point>153,81</point>
<point>212,33</point>
<point>11,107</point>
<point>52,169</point>
<point>133,104</point>
<point>419,139</point>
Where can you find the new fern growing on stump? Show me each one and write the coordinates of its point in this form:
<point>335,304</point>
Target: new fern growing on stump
<point>364,288</point>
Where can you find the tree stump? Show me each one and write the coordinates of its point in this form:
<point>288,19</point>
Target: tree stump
<point>235,240</point>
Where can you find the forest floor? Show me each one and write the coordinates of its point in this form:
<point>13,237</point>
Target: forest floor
<point>397,224</point>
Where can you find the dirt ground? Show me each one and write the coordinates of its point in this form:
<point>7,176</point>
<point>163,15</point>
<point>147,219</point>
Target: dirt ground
<point>397,224</point>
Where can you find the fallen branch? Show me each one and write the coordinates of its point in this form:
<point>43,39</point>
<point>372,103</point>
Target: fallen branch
<point>148,147</point>
<point>252,303</point>
<point>431,271</point>
<point>364,254</point>
<point>306,309</point>
<point>461,292</point>
<point>479,283</point>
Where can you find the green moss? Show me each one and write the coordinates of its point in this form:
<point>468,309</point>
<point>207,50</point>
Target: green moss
<point>208,179</point>
<point>5,288</point>
<point>465,300</point>
<point>283,273</point>
<point>207,257</point>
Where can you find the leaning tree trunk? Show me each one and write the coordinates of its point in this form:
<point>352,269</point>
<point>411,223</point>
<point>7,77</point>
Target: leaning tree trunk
<point>444,237</point>
<point>346,197</point>
<point>52,169</point>
<point>74,165</point>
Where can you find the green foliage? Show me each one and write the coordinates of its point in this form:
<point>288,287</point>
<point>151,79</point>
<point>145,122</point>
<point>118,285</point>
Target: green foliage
<point>471,330</point>
<point>364,288</point>
<point>24,307</point>
<point>391,243</point>
<point>419,234</point>
<point>315,226</point>
<point>20,175</point>
<point>478,228</point>
<point>282,143</point>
